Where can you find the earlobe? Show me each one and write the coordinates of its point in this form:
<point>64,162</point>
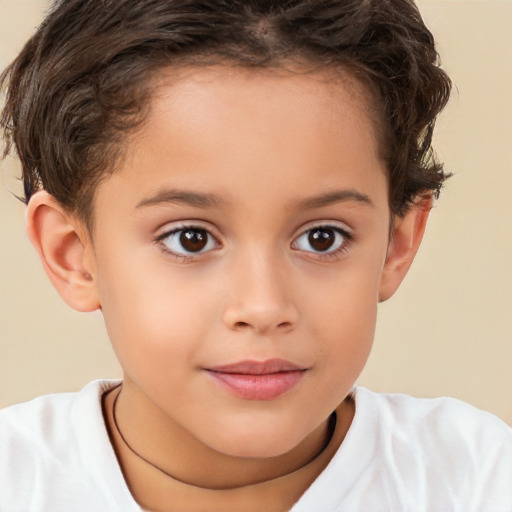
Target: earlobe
<point>63,247</point>
<point>405,241</point>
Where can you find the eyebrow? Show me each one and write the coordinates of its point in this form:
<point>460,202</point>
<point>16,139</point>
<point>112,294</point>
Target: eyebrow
<point>186,197</point>
<point>200,200</point>
<point>336,196</point>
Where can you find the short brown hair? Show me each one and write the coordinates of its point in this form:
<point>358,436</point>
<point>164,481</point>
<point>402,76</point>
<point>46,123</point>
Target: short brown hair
<point>80,83</point>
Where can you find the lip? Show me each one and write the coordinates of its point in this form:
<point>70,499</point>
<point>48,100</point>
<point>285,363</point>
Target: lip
<point>258,380</point>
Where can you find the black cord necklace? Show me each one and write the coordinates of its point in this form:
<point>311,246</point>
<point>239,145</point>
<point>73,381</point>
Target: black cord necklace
<point>331,428</point>
<point>137,454</point>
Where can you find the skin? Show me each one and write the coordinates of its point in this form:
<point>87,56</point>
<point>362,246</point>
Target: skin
<point>265,145</point>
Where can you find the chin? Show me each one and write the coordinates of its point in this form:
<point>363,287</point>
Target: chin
<point>254,444</point>
<point>255,452</point>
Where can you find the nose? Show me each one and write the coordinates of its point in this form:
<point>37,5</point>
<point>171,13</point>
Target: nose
<point>260,299</point>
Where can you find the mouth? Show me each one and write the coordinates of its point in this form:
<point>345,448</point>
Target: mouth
<point>257,380</point>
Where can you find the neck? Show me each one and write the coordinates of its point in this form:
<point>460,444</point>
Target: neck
<point>176,453</point>
<point>193,476</point>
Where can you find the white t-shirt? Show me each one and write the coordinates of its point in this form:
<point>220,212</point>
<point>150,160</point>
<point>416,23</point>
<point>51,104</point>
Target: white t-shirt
<point>400,454</point>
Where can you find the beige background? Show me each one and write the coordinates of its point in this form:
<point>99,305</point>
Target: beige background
<point>448,331</point>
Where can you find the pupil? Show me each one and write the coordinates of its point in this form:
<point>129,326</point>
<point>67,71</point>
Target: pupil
<point>194,240</point>
<point>321,239</point>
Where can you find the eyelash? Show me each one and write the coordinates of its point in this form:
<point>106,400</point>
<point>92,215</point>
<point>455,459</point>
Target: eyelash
<point>347,241</point>
<point>184,257</point>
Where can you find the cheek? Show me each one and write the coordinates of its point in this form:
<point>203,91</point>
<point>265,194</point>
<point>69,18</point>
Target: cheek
<point>347,328</point>
<point>343,314</point>
<point>151,313</point>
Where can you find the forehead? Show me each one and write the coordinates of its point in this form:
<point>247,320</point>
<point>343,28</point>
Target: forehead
<point>200,98</point>
<point>232,131</point>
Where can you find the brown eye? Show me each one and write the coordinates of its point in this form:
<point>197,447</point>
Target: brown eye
<point>322,239</point>
<point>194,240</point>
<point>187,241</point>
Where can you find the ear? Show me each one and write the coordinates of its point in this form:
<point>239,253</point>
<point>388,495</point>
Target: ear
<point>65,249</point>
<point>404,242</point>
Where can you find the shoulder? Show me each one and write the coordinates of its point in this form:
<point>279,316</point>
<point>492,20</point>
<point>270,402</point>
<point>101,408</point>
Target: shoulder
<point>443,418</point>
<point>416,455</point>
<point>460,454</point>
<point>50,419</point>
<point>55,451</point>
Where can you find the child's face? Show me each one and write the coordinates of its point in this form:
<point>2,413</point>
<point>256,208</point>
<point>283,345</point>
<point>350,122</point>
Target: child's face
<point>277,183</point>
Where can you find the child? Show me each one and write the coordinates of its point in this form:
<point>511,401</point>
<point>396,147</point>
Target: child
<point>236,185</point>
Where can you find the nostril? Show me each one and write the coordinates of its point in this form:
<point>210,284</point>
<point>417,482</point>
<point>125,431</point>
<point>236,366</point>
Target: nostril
<point>244,325</point>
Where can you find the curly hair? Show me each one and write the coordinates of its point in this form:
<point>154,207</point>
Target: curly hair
<point>81,83</point>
